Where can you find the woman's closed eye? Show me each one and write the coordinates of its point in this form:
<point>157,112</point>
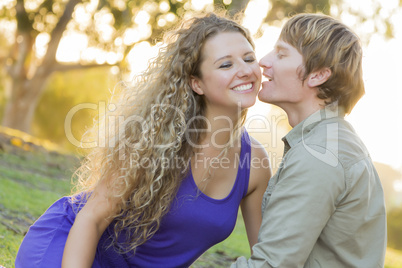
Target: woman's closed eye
<point>225,65</point>
<point>250,59</point>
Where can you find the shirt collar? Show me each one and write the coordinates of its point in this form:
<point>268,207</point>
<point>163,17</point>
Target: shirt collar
<point>296,134</point>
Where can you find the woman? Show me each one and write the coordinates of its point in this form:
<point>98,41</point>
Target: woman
<point>180,165</point>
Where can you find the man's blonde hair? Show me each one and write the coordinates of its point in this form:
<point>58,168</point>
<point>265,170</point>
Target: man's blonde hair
<point>327,43</point>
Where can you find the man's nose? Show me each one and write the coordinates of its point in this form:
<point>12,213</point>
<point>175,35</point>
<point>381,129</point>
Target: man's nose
<point>266,62</point>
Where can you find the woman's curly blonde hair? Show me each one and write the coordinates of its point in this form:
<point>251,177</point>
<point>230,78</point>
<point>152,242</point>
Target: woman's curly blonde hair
<point>152,119</point>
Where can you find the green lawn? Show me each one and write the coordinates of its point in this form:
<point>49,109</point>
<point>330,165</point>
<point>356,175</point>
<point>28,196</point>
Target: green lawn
<point>31,181</point>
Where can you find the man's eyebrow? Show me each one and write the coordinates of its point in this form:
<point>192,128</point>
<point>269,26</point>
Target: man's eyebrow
<point>281,47</point>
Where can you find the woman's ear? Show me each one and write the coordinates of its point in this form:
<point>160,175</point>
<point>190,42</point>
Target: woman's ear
<point>196,85</point>
<point>319,77</point>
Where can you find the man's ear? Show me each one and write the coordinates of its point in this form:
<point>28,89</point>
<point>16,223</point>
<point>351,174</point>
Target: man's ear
<point>319,77</point>
<point>195,84</point>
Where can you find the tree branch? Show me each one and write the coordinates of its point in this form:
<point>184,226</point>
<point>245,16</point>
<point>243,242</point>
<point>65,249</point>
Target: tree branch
<point>58,67</point>
<point>23,23</point>
<point>21,47</point>
<point>58,31</point>
<point>237,6</point>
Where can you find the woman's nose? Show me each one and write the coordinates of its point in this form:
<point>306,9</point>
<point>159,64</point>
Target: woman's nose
<point>245,70</point>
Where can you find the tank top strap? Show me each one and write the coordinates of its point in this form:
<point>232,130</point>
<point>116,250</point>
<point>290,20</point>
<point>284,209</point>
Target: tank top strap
<point>245,162</point>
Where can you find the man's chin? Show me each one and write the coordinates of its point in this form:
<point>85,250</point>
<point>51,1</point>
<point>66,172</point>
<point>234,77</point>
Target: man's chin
<point>263,98</point>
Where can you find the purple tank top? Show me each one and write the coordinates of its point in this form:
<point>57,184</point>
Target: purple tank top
<point>194,223</point>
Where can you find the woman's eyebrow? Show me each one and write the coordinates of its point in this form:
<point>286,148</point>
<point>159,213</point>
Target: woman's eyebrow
<point>230,56</point>
<point>249,52</point>
<point>221,58</point>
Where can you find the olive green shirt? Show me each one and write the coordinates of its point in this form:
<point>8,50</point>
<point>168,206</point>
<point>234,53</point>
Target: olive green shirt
<point>325,205</point>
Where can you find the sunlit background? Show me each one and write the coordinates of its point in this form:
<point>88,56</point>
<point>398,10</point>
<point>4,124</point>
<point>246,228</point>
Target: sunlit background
<point>377,117</point>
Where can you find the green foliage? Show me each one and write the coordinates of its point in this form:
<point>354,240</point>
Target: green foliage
<point>388,177</point>
<point>2,95</point>
<point>380,16</point>
<point>395,228</point>
<point>65,91</point>
<point>282,9</point>
<point>393,258</point>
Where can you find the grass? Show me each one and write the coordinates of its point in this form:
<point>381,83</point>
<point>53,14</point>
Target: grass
<point>237,244</point>
<point>31,181</point>
<point>393,258</point>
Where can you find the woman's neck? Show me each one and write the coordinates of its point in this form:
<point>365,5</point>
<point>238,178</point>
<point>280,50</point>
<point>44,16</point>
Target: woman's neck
<point>220,127</point>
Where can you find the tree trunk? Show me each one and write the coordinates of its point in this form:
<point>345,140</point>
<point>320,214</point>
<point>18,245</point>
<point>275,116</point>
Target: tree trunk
<point>21,106</point>
<point>26,90</point>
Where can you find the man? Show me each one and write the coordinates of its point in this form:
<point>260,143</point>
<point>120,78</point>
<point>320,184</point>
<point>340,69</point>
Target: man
<point>325,205</point>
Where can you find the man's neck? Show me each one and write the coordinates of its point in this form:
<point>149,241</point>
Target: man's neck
<point>295,115</point>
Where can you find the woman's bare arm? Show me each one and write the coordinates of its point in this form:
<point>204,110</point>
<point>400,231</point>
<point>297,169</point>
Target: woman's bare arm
<point>260,173</point>
<point>88,227</point>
